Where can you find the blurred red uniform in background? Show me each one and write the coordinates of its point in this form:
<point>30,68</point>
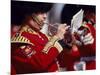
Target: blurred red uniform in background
<point>80,57</point>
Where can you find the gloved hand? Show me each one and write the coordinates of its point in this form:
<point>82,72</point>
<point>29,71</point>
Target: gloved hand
<point>87,39</point>
<point>61,31</point>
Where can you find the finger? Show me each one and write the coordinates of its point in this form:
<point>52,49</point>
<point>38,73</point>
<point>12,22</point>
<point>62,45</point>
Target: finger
<point>89,42</point>
<point>65,24</point>
<point>88,35</point>
<point>62,26</point>
<point>87,38</point>
<point>66,27</point>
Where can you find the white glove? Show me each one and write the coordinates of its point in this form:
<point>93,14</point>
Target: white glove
<point>61,31</point>
<point>87,39</point>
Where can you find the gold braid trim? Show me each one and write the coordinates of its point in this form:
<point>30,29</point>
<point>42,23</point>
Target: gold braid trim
<point>20,39</point>
<point>58,46</point>
<point>52,43</point>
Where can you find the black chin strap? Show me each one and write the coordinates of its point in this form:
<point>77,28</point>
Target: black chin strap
<point>34,17</point>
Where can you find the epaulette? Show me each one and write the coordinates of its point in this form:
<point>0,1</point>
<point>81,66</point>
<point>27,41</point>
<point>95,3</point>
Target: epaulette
<point>18,38</point>
<point>28,29</point>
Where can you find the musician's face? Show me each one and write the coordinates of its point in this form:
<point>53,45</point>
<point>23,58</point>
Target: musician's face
<point>41,18</point>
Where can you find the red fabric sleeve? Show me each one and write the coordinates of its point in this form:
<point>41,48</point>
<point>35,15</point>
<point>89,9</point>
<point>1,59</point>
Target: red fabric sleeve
<point>44,60</point>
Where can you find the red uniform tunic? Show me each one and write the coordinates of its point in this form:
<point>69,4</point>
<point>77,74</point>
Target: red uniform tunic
<point>88,52</point>
<point>30,53</point>
<point>68,58</point>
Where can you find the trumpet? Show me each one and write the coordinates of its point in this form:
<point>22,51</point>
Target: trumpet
<point>55,25</point>
<point>52,30</point>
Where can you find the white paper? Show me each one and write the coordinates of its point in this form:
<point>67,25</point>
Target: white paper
<point>76,21</point>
